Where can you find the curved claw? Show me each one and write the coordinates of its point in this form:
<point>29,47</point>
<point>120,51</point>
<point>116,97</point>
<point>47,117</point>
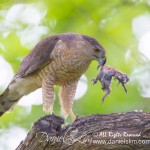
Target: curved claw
<point>124,88</point>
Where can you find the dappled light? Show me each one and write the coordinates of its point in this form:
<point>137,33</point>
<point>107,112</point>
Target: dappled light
<point>81,88</point>
<point>141,75</point>
<point>141,29</point>
<point>6,73</point>
<point>12,135</point>
<point>24,19</point>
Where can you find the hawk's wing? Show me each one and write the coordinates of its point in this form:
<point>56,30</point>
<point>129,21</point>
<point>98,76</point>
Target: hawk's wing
<point>38,57</point>
<point>40,54</point>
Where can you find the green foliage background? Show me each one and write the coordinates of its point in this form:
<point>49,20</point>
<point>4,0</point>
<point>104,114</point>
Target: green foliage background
<point>110,22</point>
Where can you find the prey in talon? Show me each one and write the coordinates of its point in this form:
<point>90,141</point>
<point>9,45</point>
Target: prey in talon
<point>105,77</point>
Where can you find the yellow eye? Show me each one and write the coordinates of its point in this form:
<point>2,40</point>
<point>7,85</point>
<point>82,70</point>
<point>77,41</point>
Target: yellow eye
<point>96,50</point>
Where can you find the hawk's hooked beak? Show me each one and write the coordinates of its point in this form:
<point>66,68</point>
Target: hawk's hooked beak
<point>101,63</point>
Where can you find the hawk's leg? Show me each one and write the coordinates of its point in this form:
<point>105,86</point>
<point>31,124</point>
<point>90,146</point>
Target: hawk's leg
<point>66,97</point>
<point>48,96</point>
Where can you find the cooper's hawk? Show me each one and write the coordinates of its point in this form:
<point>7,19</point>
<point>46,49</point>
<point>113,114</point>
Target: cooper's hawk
<point>56,60</point>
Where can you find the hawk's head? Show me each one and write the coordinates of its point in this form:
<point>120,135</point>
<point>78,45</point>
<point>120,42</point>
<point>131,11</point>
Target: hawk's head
<point>90,47</point>
<point>95,50</point>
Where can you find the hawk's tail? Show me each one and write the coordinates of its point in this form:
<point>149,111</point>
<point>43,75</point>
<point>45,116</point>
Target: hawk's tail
<point>15,90</point>
<point>6,102</point>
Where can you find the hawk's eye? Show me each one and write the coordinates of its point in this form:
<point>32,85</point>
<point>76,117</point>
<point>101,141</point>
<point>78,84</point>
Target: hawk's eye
<point>96,50</point>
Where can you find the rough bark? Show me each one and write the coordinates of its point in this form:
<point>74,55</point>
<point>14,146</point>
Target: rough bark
<point>121,131</point>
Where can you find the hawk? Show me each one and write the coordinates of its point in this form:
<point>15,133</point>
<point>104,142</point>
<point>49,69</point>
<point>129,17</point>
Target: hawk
<point>56,60</point>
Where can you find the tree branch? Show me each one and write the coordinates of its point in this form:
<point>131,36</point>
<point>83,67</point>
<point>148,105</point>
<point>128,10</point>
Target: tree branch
<point>120,131</point>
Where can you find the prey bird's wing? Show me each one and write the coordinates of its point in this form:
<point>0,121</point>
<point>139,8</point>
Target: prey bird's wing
<point>38,57</point>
